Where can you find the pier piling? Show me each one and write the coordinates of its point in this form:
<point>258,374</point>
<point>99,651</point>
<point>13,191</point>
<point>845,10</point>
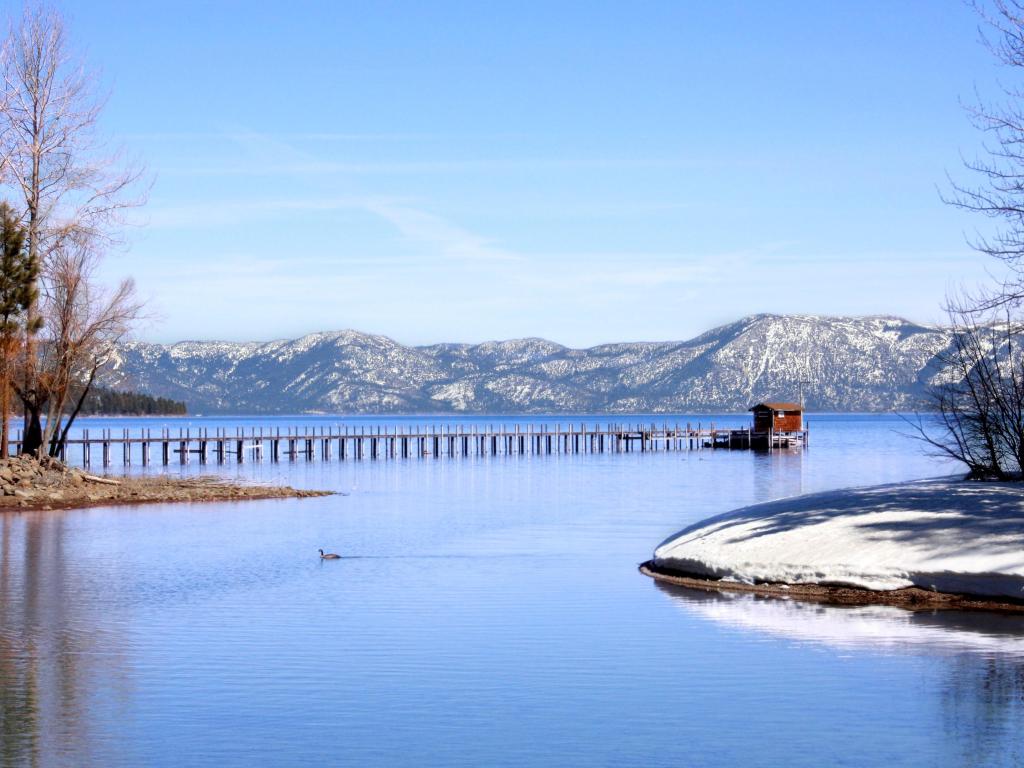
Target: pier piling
<point>437,441</point>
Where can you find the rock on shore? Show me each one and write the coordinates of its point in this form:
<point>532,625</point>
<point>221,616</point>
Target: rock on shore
<point>28,482</point>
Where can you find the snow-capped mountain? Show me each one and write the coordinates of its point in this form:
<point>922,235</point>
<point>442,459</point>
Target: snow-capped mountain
<point>848,364</point>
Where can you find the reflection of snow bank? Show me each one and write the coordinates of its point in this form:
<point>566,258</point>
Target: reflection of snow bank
<point>872,627</point>
<point>948,535</point>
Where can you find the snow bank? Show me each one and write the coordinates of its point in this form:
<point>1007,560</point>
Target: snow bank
<point>948,535</point>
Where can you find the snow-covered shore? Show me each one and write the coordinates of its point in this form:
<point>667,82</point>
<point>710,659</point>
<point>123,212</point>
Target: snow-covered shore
<point>946,535</point>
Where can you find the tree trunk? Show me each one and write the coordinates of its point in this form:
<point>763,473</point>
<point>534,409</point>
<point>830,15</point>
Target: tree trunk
<point>54,415</point>
<point>5,396</point>
<point>5,408</point>
<point>32,310</point>
<point>33,438</point>
<point>59,442</point>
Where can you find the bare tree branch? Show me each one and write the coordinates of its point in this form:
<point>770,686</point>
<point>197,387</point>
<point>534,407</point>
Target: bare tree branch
<point>978,397</point>
<point>85,322</point>
<point>71,186</point>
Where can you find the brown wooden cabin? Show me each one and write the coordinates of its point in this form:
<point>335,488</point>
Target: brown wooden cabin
<point>778,417</point>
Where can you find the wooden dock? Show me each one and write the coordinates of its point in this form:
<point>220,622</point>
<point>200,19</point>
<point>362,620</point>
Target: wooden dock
<point>379,442</point>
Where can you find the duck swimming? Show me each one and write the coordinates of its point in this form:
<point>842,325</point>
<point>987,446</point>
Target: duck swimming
<point>329,556</point>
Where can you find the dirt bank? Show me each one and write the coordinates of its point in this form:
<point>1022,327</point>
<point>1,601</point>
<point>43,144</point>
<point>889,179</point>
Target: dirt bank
<point>911,598</point>
<point>28,483</point>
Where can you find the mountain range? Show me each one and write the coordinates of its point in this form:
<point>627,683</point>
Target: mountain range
<point>847,364</point>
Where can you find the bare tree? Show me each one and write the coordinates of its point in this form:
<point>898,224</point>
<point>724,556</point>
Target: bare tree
<point>998,193</point>
<point>84,323</point>
<point>978,398</point>
<point>69,183</point>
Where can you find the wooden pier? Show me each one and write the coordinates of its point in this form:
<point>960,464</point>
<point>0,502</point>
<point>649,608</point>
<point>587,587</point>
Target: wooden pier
<point>379,442</point>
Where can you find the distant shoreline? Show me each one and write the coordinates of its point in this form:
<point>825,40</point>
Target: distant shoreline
<point>484,414</point>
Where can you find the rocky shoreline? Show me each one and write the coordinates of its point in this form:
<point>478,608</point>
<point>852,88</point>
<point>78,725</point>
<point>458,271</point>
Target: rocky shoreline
<point>47,483</point>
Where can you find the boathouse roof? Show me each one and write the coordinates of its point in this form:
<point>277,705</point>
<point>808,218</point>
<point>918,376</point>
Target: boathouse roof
<point>777,407</point>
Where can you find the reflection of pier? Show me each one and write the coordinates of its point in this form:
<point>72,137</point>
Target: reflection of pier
<point>379,442</point>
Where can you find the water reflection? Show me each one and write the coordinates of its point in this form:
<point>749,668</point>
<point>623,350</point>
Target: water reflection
<point>978,656</point>
<point>873,628</point>
<point>52,655</point>
<point>490,614</point>
<point>982,704</point>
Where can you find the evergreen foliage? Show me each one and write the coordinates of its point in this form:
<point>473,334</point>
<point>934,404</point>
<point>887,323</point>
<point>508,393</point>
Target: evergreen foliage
<point>111,402</point>
<point>18,274</point>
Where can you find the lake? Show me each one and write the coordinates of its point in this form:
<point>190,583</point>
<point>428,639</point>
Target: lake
<point>488,611</point>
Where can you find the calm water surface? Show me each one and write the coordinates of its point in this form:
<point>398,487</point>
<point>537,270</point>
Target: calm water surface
<point>488,612</point>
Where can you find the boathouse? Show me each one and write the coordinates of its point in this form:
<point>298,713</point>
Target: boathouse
<point>778,417</point>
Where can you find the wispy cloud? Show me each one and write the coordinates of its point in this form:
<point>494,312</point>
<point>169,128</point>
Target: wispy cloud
<point>439,236</point>
<point>521,165</point>
<point>437,240</point>
<point>228,212</point>
<point>291,136</point>
<point>650,276</point>
<point>449,240</point>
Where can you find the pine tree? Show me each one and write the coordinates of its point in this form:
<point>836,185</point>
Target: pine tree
<point>18,276</point>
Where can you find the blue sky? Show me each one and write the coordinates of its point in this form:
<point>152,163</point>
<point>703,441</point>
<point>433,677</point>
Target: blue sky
<point>587,172</point>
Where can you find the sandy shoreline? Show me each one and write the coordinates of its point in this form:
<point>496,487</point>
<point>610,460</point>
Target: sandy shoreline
<point>910,598</point>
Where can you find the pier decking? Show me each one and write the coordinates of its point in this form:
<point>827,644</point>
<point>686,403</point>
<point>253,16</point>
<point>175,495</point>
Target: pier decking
<point>378,442</point>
